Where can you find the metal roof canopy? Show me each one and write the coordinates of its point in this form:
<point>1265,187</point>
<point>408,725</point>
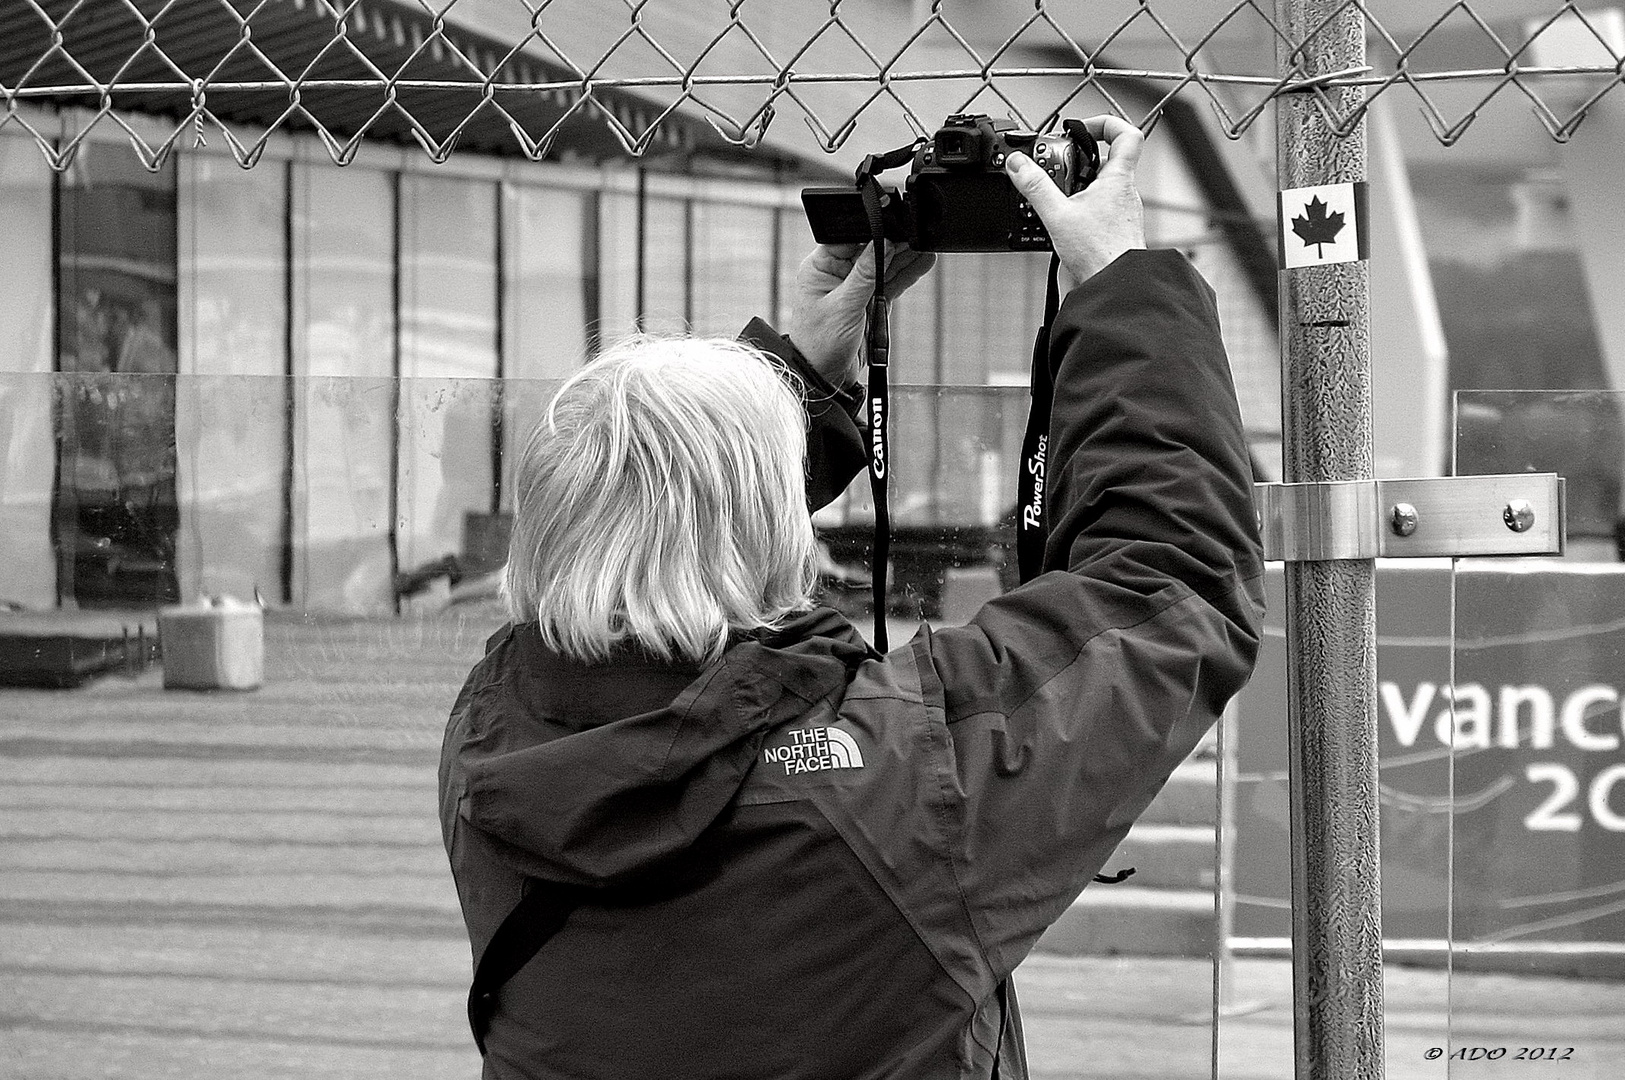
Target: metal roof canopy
<point>153,56</point>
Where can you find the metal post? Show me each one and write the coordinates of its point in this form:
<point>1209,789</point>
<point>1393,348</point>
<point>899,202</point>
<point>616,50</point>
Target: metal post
<point>1331,605</point>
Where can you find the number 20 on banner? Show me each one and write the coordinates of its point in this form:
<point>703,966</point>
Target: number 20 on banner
<point>1560,811</point>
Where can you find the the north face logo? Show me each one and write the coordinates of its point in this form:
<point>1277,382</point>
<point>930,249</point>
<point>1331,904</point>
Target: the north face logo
<point>815,749</point>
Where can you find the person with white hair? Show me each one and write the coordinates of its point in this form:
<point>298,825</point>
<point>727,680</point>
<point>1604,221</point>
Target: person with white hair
<point>700,828</point>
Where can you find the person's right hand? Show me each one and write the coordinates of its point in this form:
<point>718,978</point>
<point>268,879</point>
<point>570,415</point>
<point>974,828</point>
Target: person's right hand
<point>831,297</point>
<point>1096,225</point>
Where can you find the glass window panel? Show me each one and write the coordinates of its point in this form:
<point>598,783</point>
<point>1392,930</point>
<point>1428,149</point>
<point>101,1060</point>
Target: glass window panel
<point>546,307</point>
<point>552,284</point>
<point>733,267</point>
<point>345,221</point>
<point>914,502</point>
<point>665,266</point>
<point>28,571</point>
<point>523,403</point>
<point>235,220</point>
<point>115,502</point>
<point>1014,308</point>
<point>1511,289</point>
<point>916,336</point>
<point>1578,435</point>
<point>950,490</point>
<point>618,265</point>
<point>795,241</point>
<point>25,207</point>
<point>1413,667</point>
<point>448,332</point>
<point>445,468</point>
<point>448,278</point>
<point>234,322</point>
<point>992,305</point>
<point>966,336</point>
<point>344,232</point>
<point>1537,858</point>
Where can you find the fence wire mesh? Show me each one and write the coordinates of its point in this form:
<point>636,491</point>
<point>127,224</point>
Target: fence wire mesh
<point>512,76</point>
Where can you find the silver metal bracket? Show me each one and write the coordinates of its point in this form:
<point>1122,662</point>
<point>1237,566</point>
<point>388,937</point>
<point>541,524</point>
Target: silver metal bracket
<point>1446,516</point>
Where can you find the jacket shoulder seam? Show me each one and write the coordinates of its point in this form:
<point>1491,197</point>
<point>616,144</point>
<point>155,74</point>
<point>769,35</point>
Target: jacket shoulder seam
<point>1189,595</point>
<point>903,698</point>
<point>931,687</point>
<point>957,830</point>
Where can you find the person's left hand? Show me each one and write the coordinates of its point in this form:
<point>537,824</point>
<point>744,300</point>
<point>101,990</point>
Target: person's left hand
<point>831,295</point>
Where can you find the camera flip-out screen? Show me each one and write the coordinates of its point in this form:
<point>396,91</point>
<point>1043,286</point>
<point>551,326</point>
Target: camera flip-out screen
<point>837,216</point>
<point>943,212</point>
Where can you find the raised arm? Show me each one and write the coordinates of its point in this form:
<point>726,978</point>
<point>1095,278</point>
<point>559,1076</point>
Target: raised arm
<point>1072,698</point>
<point>832,290</point>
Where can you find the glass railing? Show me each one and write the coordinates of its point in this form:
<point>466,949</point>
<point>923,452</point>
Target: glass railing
<point>1501,787</point>
<point>260,874</point>
<point>1537,856</point>
<point>1256,984</point>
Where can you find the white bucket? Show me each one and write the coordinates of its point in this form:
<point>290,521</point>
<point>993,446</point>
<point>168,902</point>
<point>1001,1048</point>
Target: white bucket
<point>215,644</point>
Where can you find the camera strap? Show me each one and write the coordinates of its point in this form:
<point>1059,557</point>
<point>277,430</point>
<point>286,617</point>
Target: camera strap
<point>877,350</point>
<point>877,354</point>
<point>1032,522</point>
<point>543,908</point>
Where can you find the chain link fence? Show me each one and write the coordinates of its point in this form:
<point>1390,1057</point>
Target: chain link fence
<point>776,81</point>
<point>511,76</point>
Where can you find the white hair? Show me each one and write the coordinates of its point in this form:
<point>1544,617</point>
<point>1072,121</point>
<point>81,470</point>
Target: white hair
<point>661,502</point>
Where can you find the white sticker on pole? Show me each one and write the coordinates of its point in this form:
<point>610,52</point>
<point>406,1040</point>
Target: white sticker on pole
<point>1323,225</point>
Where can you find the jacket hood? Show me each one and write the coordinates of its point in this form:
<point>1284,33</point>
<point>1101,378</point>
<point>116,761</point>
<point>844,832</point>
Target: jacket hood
<point>596,799</point>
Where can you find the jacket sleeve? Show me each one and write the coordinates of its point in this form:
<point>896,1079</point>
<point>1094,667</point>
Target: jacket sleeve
<point>835,451</point>
<point>1070,699</point>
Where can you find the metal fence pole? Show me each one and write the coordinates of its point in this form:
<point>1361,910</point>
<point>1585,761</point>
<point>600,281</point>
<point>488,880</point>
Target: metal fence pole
<point>1331,605</point>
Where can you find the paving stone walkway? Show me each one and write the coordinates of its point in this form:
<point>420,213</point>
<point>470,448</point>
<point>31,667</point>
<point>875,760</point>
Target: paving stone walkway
<point>252,886</point>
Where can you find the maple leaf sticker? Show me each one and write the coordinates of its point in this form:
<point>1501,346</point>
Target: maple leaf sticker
<point>1315,226</point>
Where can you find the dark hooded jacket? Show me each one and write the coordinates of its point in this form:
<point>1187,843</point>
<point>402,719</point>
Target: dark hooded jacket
<point>809,860</point>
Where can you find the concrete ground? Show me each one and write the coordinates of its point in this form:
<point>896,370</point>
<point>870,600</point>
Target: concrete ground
<point>253,886</point>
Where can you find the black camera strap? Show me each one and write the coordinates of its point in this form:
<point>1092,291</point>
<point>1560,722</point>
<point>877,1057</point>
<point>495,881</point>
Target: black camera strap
<point>543,908</point>
<point>1032,522</point>
<point>877,354</point>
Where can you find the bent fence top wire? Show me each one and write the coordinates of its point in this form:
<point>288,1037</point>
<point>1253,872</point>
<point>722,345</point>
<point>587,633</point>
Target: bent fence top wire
<point>510,76</point>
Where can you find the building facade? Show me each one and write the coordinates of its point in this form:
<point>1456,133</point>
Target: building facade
<point>300,381</point>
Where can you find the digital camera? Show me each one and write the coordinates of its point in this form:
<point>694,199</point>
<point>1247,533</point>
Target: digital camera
<point>957,196</point>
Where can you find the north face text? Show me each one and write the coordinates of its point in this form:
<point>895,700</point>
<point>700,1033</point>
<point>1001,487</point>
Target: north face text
<point>814,750</point>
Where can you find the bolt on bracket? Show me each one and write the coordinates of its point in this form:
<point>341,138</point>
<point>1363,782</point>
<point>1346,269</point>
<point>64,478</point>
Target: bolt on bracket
<point>1431,517</point>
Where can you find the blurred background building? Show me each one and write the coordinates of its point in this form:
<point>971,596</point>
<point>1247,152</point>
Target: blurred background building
<point>481,281</point>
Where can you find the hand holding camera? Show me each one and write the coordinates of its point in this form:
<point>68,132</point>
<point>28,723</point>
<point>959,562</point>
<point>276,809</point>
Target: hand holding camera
<point>977,185</point>
<point>831,294</point>
<point>980,184</point>
<point>957,196</point>
<point>1091,227</point>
